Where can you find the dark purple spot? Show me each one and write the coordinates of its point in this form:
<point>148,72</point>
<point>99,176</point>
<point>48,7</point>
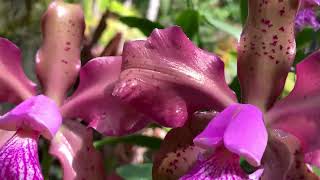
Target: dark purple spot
<point>64,61</point>
<point>281,29</point>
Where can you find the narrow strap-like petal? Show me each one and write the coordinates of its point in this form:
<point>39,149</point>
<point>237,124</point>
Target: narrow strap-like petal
<point>93,100</point>
<point>220,166</point>
<point>58,59</point>
<point>38,113</point>
<point>299,113</point>
<point>167,77</point>
<point>266,50</point>
<point>14,84</point>
<point>73,147</point>
<point>240,128</point>
<point>19,158</point>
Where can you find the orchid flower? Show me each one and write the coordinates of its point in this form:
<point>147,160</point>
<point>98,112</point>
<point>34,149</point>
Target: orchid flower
<point>168,78</point>
<point>49,114</point>
<point>307,15</point>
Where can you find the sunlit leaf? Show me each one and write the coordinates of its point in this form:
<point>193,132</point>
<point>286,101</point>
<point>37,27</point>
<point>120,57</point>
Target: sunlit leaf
<point>144,25</point>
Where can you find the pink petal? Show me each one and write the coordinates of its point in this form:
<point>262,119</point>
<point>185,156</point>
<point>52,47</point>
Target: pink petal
<point>73,147</point>
<point>38,113</point>
<point>212,136</point>
<point>167,77</point>
<point>58,59</point>
<point>313,158</point>
<point>241,129</point>
<point>266,51</point>
<point>14,84</point>
<point>93,101</point>
<point>299,113</point>
<point>221,165</point>
<point>5,136</point>
<point>19,158</point>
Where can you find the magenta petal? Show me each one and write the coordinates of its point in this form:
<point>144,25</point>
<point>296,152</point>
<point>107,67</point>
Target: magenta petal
<point>19,158</point>
<point>266,51</point>
<point>241,128</point>
<point>93,101</point>
<point>299,113</point>
<point>221,165</point>
<point>73,147</point>
<point>14,84</point>
<point>313,158</point>
<point>167,77</point>
<point>38,113</point>
<point>212,135</point>
<point>58,59</point>
<point>307,17</point>
<point>246,134</point>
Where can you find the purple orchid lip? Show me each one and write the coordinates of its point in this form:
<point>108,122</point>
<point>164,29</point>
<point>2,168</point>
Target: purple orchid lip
<point>19,157</point>
<point>240,129</point>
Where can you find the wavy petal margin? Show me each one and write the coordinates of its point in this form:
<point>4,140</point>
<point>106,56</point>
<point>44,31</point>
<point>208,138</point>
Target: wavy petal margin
<point>298,113</point>
<point>167,78</point>
<point>38,113</point>
<point>93,100</point>
<point>266,50</point>
<point>73,147</point>
<point>14,84</point>
<point>58,59</point>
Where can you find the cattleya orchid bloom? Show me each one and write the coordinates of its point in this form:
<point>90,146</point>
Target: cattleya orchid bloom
<point>49,114</point>
<point>307,15</point>
<point>168,79</point>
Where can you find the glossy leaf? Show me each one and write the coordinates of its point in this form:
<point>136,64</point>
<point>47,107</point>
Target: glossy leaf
<point>188,20</point>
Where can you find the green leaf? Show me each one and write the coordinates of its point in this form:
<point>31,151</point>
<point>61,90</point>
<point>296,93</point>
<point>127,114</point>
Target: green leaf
<point>243,11</point>
<point>316,170</point>
<point>235,86</point>
<point>140,140</point>
<point>144,25</point>
<point>189,22</point>
<point>135,172</point>
<point>228,28</point>
<point>306,36</point>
